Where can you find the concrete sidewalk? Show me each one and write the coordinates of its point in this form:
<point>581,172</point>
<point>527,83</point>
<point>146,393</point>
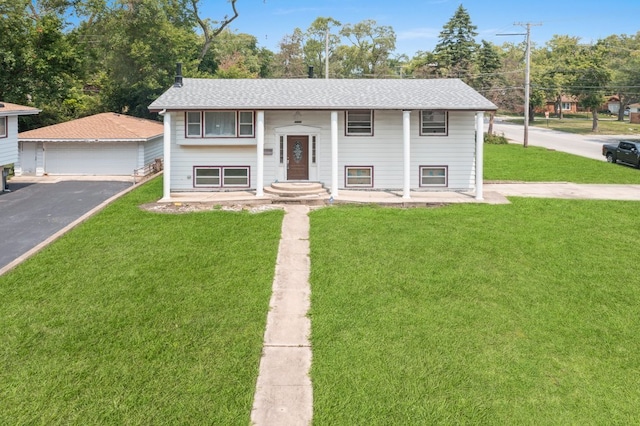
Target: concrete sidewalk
<point>284,394</point>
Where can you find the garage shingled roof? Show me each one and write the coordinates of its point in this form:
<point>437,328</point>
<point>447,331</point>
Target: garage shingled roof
<point>322,94</point>
<point>104,126</point>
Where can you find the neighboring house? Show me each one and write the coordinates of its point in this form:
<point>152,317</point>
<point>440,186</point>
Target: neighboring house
<point>101,144</point>
<point>569,104</point>
<point>613,104</point>
<point>378,134</point>
<point>9,136</point>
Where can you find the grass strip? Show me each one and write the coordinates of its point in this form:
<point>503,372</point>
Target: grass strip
<point>511,162</point>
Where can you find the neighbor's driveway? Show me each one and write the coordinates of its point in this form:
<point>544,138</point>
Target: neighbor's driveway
<point>589,146</point>
<point>34,212</point>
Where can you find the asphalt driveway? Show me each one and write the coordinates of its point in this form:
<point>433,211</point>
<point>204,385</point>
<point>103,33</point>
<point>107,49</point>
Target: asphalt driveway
<point>33,212</point>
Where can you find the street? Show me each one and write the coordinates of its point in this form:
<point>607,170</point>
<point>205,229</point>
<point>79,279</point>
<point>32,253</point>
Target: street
<point>589,146</point>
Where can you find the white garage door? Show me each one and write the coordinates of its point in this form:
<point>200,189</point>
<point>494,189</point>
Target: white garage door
<point>100,158</point>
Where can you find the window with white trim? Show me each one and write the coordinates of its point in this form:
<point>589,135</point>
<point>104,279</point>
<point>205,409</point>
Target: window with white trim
<point>433,176</point>
<point>3,127</point>
<point>359,176</point>
<point>206,176</point>
<point>313,150</point>
<point>220,177</point>
<point>359,122</point>
<point>194,124</point>
<point>245,120</point>
<point>433,123</point>
<point>566,106</point>
<point>235,176</point>
<point>217,124</point>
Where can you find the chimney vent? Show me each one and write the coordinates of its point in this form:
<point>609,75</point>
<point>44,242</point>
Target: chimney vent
<point>178,80</point>
<point>310,71</point>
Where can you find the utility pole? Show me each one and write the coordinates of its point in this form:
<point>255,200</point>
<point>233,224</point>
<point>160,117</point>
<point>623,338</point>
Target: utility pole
<point>326,54</point>
<point>527,76</point>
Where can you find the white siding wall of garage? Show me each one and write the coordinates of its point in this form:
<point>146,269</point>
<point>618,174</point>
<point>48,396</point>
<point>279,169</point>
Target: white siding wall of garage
<point>383,151</point>
<point>9,144</point>
<point>152,150</point>
<point>82,158</point>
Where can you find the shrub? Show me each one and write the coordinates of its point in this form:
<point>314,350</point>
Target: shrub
<point>495,139</point>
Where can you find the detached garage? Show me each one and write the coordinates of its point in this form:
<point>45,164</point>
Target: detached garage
<point>101,144</point>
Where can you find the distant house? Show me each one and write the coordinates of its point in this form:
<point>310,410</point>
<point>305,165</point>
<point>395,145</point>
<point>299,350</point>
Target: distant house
<point>9,136</point>
<point>379,134</point>
<point>613,104</point>
<point>634,113</point>
<point>101,144</point>
<point>569,104</point>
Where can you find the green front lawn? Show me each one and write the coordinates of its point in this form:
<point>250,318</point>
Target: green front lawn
<point>139,318</point>
<point>511,162</point>
<point>476,314</point>
<point>464,314</point>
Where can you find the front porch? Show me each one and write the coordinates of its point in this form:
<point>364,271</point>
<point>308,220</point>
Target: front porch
<point>315,194</point>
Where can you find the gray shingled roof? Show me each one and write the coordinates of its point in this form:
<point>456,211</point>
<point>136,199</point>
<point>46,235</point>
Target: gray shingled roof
<point>271,94</point>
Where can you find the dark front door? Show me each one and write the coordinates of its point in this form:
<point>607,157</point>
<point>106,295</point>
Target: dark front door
<point>297,157</point>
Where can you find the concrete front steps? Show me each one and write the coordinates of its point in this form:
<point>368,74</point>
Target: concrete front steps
<point>297,192</point>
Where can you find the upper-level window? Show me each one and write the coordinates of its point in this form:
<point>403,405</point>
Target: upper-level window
<point>433,122</point>
<point>212,124</point>
<point>194,124</point>
<point>3,127</point>
<point>360,122</point>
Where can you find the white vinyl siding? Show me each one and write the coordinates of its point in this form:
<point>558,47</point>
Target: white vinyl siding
<point>383,151</point>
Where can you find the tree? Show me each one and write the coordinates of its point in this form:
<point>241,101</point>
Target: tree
<point>622,56</point>
<point>289,61</point>
<point>590,79</point>
<point>488,78</point>
<point>456,47</point>
<point>318,35</point>
<point>368,54</point>
<point>210,29</point>
<point>140,52</point>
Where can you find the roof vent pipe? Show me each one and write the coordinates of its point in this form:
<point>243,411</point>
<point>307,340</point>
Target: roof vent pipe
<point>310,71</point>
<point>178,80</point>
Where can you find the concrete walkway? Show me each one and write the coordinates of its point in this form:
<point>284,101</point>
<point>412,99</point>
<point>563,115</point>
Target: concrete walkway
<point>284,394</point>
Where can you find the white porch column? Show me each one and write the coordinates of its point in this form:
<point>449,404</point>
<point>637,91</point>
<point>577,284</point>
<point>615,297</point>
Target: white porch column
<point>406,142</point>
<point>260,153</point>
<point>334,154</point>
<point>166,177</point>
<point>479,154</point>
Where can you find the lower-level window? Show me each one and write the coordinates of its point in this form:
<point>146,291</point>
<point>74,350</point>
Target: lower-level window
<point>359,176</point>
<point>220,177</point>
<point>433,175</point>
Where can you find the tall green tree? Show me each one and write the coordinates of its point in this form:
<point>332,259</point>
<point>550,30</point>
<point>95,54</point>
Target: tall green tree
<point>622,53</point>
<point>591,79</point>
<point>143,45</point>
<point>369,50</point>
<point>289,60</point>
<point>457,47</point>
<point>488,79</point>
<point>317,38</point>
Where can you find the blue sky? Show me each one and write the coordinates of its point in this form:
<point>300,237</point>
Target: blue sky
<point>417,23</point>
